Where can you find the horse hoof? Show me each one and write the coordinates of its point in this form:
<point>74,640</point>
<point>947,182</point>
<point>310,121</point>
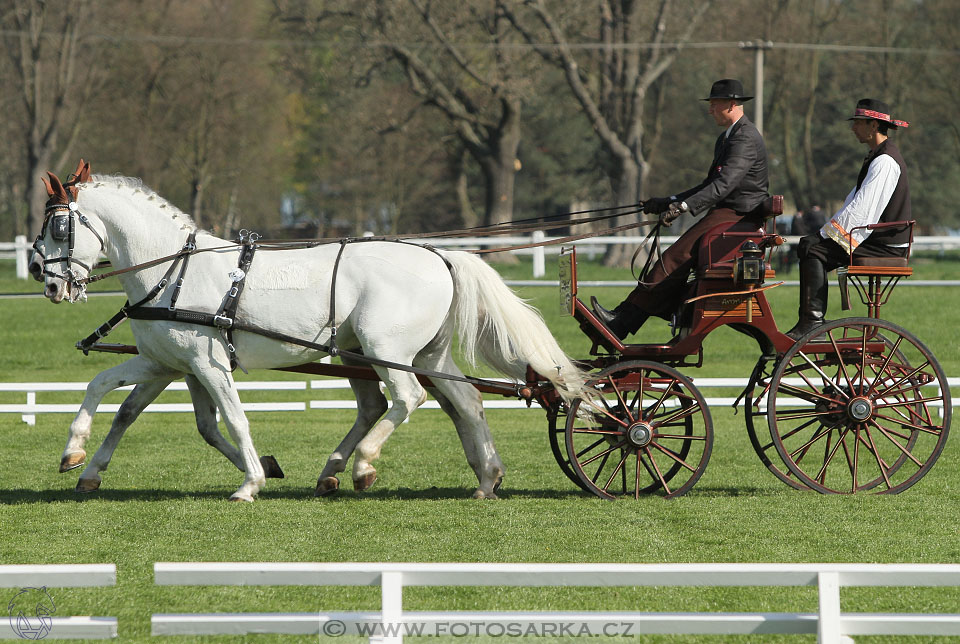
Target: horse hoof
<point>364,482</point>
<point>271,469</point>
<point>237,497</point>
<point>72,461</point>
<point>85,486</point>
<point>327,486</point>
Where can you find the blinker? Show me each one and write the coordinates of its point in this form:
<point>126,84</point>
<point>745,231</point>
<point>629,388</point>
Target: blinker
<point>60,227</point>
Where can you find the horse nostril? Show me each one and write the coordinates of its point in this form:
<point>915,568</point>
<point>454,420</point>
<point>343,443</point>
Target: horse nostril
<point>49,290</point>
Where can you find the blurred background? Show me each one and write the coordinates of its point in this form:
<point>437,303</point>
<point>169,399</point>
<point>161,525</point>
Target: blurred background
<point>311,118</point>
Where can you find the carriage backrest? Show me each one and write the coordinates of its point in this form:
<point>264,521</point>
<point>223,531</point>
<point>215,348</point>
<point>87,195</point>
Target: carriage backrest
<point>721,243</point>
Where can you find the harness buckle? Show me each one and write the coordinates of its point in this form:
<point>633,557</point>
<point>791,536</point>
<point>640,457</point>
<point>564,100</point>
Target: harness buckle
<point>222,321</point>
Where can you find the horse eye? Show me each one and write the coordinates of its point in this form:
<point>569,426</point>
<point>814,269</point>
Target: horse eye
<point>60,227</point>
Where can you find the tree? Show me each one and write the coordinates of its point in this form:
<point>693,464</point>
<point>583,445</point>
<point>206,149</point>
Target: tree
<point>480,95</point>
<point>55,79</point>
<point>613,87</point>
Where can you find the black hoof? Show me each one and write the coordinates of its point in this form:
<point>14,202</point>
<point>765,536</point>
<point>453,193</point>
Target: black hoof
<point>271,469</point>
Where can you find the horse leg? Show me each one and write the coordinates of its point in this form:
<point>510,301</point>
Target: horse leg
<point>141,396</point>
<point>135,370</point>
<point>371,405</point>
<point>464,404</point>
<point>205,411</point>
<point>219,384</point>
<point>406,395</point>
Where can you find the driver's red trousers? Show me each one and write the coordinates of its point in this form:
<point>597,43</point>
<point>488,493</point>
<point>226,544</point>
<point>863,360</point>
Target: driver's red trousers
<point>664,289</point>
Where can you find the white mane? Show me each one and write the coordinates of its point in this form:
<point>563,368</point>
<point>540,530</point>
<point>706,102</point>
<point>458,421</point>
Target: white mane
<point>139,191</point>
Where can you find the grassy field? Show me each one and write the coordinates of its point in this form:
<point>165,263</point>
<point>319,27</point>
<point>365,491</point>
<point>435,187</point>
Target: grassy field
<point>164,497</point>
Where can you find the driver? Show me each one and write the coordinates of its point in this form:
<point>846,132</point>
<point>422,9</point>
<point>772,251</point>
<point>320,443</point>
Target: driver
<point>735,187</point>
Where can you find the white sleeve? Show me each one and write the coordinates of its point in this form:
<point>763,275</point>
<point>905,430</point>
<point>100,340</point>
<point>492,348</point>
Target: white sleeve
<point>866,204</point>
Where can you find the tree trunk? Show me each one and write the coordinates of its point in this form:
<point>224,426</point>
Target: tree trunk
<point>500,164</point>
<point>627,187</point>
<point>196,200</point>
<point>38,162</point>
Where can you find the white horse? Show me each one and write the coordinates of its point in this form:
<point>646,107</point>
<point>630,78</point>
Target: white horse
<point>395,302</point>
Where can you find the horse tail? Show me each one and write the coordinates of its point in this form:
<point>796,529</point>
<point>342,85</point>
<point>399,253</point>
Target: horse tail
<point>507,332</point>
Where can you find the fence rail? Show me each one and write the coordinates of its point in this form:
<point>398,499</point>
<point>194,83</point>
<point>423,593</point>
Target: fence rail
<point>34,581</point>
<point>21,248</point>
<point>30,408</point>
<point>392,622</point>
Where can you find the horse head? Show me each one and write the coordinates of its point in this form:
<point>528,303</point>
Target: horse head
<point>68,245</point>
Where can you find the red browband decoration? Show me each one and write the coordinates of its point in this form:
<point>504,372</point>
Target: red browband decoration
<point>880,115</point>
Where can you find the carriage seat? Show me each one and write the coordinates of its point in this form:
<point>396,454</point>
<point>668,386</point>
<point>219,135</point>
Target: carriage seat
<point>880,266</point>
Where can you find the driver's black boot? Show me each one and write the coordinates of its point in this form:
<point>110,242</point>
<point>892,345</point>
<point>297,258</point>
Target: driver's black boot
<point>624,320</point>
<point>813,297</point>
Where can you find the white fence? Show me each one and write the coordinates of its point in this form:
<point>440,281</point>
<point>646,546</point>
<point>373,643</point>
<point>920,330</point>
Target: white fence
<point>21,248</point>
<point>391,623</point>
<point>30,408</point>
<point>34,583</point>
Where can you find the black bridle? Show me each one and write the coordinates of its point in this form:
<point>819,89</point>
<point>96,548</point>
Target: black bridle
<point>60,221</point>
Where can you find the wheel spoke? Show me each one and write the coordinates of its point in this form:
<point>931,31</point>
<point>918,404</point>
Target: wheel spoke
<point>674,456</point>
<point>656,468</point>
<point>616,470</point>
<point>828,457</point>
<point>605,453</point>
<point>590,447</point>
<point>897,444</point>
<point>880,463</point>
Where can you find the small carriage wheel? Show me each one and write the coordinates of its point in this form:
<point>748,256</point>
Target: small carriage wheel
<point>648,426</point>
<point>872,411</point>
<point>556,428</point>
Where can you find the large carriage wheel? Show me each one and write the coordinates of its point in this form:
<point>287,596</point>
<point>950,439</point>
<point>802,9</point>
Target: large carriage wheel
<point>871,412</point>
<point>766,448</point>
<point>648,431</point>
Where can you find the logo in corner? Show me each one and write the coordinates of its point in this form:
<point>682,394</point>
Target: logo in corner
<point>30,612</point>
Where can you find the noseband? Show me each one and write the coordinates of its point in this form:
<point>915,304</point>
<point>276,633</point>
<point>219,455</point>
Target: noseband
<point>61,220</point>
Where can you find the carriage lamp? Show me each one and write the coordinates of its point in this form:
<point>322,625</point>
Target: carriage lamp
<point>750,269</point>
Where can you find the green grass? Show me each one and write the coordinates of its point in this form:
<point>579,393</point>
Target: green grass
<point>164,497</point>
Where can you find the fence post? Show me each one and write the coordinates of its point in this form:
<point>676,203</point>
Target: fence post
<point>391,608</point>
<point>539,267</point>
<point>22,251</point>
<point>828,622</point>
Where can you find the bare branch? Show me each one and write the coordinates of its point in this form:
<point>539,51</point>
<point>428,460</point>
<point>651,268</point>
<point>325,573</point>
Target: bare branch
<point>455,53</point>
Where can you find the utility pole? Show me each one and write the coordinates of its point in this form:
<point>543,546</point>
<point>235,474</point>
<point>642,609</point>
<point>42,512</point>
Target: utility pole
<point>758,47</point>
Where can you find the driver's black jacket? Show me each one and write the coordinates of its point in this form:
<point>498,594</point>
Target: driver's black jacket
<point>737,178</point>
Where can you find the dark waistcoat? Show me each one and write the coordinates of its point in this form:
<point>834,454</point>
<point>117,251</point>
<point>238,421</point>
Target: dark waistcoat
<point>898,209</point>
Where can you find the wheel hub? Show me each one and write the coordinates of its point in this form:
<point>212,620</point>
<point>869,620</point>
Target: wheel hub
<point>860,409</point>
<point>640,434</point>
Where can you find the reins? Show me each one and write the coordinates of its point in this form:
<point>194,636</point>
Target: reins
<point>505,228</point>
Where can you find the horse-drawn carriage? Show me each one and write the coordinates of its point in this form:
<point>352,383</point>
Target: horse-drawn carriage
<point>858,404</point>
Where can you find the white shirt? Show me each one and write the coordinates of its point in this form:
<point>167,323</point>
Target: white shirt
<point>863,207</point>
<point>726,135</point>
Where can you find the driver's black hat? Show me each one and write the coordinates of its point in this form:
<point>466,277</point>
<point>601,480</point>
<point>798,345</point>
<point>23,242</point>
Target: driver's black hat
<point>728,88</point>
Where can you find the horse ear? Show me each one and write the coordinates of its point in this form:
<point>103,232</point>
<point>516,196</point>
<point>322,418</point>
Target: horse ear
<point>55,188</point>
<point>82,173</point>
